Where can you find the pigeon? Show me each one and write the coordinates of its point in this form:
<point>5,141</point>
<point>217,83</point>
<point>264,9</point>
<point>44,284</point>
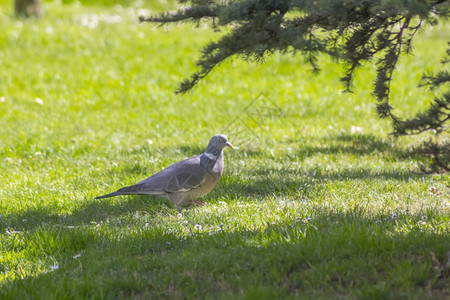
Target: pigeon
<point>185,180</point>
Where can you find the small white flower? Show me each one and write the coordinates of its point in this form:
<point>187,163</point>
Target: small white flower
<point>54,267</point>
<point>2,99</point>
<point>356,129</point>
<point>77,256</point>
<point>198,226</point>
<point>39,101</point>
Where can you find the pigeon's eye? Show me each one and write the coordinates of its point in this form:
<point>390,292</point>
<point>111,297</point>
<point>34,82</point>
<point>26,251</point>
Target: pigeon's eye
<point>219,140</point>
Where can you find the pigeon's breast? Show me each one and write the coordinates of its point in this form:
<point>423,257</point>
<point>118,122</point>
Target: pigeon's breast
<point>211,179</point>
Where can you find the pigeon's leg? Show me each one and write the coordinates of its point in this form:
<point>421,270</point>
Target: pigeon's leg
<point>179,199</point>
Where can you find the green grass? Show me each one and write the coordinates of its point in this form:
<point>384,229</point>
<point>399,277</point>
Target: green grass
<point>322,204</point>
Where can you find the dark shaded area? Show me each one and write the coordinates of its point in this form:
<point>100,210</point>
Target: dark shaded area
<point>289,182</point>
<point>91,211</point>
<point>356,144</point>
<point>314,257</point>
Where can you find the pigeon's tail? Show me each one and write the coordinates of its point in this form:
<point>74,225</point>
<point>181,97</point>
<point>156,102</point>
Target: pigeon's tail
<point>109,195</point>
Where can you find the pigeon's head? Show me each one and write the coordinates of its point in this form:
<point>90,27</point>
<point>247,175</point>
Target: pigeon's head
<point>219,141</point>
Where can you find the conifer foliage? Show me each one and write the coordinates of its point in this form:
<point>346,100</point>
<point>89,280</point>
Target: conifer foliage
<point>351,31</point>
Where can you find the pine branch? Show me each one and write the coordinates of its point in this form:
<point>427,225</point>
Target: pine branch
<point>434,118</point>
<point>188,14</point>
<point>241,41</point>
<point>353,32</point>
<point>435,81</point>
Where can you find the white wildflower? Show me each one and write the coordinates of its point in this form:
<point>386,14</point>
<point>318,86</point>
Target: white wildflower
<point>356,129</point>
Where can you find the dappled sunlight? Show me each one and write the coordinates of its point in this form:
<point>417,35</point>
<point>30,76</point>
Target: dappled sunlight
<point>317,200</point>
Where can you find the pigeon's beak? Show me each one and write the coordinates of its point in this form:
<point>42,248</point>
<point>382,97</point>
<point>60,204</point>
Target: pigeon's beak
<point>229,145</point>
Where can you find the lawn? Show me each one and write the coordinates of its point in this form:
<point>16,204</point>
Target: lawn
<point>318,202</point>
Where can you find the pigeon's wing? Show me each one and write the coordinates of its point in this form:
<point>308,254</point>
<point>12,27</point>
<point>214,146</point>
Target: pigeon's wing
<point>182,176</point>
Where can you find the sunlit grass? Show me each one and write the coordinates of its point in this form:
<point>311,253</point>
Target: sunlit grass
<point>321,204</point>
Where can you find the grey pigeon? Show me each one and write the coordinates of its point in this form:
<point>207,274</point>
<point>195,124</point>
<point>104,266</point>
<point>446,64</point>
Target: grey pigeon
<point>185,180</point>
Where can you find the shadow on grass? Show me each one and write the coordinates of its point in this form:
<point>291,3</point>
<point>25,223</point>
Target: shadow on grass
<point>287,182</point>
<point>356,144</point>
<point>334,254</point>
<point>92,211</point>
